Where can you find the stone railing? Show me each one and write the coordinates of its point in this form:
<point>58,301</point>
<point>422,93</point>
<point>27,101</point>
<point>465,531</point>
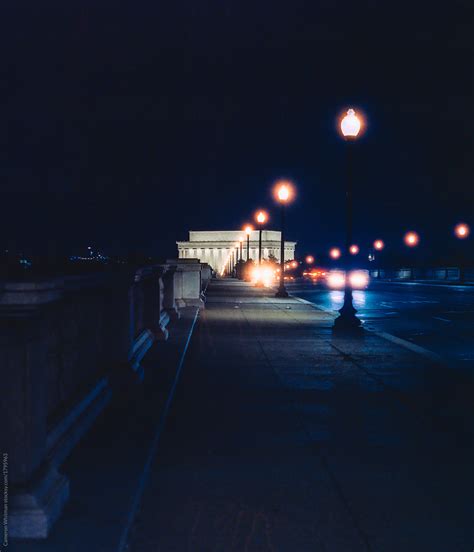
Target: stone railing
<point>443,274</point>
<point>66,346</point>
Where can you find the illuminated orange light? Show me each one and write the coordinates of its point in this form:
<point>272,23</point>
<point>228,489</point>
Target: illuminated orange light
<point>350,124</point>
<point>261,217</point>
<point>411,239</point>
<point>379,245</point>
<point>283,191</point>
<point>462,230</point>
<point>335,253</point>
<point>310,259</point>
<point>294,264</point>
<point>354,249</point>
<point>248,229</point>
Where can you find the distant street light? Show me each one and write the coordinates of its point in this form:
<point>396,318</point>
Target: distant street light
<point>284,192</point>
<point>261,218</point>
<point>309,259</point>
<point>335,253</point>
<point>347,320</point>
<point>379,245</point>
<point>248,230</point>
<point>411,239</point>
<point>462,231</point>
<point>354,249</point>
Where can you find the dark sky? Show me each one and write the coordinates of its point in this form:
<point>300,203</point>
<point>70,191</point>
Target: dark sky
<point>125,124</point>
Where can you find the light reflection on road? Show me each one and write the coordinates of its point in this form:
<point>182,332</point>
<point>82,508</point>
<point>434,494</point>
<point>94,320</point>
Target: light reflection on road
<point>336,298</point>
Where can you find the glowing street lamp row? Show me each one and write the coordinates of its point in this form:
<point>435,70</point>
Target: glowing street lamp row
<point>411,239</point>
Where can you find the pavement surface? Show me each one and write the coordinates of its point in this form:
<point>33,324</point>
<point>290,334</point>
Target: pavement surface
<point>282,437</point>
<point>437,317</point>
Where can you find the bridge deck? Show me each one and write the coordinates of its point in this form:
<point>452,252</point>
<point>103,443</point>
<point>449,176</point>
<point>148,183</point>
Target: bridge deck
<point>283,438</point>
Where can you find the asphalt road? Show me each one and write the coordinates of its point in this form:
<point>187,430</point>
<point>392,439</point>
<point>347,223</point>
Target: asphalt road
<point>439,318</point>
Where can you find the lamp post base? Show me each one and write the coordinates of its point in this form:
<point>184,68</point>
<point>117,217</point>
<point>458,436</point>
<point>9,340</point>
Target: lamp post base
<point>347,321</point>
<point>259,284</point>
<point>282,293</point>
<point>347,325</point>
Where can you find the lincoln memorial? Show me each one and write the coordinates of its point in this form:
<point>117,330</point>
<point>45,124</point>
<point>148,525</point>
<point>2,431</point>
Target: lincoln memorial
<point>217,247</point>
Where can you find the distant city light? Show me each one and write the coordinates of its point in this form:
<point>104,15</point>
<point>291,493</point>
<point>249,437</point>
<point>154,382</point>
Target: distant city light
<point>354,249</point>
<point>335,253</point>
<point>310,259</point>
<point>350,124</point>
<point>462,230</point>
<point>294,264</point>
<point>379,245</point>
<point>248,229</point>
<point>411,239</point>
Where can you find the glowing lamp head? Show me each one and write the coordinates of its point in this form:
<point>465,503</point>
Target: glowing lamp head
<point>241,239</point>
<point>411,239</point>
<point>335,253</point>
<point>310,259</point>
<point>354,249</point>
<point>248,229</point>
<point>350,124</point>
<point>283,191</point>
<point>462,230</point>
<point>294,264</point>
<point>379,245</point>
<point>261,217</point>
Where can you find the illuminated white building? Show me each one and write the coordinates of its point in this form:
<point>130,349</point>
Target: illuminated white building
<point>217,247</point>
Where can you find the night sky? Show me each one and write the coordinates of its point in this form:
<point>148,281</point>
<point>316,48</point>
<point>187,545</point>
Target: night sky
<point>125,124</point>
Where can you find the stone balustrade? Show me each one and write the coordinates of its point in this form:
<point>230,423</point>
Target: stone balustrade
<point>65,347</point>
<point>446,274</point>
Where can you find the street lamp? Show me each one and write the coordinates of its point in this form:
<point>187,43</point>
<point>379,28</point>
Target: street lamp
<point>379,245</point>
<point>241,239</point>
<point>261,217</point>
<point>283,193</point>
<point>462,231</point>
<point>248,230</point>
<point>309,259</point>
<point>354,249</point>
<point>347,320</point>
<point>411,239</point>
<point>335,253</point>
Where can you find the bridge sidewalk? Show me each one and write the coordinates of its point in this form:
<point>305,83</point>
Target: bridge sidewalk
<point>284,438</point>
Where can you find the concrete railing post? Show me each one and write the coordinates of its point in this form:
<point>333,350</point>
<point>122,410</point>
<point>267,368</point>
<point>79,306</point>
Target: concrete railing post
<point>38,492</point>
<point>187,282</point>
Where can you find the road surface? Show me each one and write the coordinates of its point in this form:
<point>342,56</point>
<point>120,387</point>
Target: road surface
<point>439,318</point>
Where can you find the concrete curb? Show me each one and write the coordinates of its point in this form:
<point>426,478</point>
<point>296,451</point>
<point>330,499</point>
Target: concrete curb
<point>123,543</point>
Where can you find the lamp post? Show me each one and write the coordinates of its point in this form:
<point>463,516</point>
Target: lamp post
<point>462,231</point>
<point>248,230</point>
<point>283,194</point>
<point>261,218</point>
<point>347,320</point>
<point>241,239</point>
<point>378,245</point>
<point>411,240</point>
